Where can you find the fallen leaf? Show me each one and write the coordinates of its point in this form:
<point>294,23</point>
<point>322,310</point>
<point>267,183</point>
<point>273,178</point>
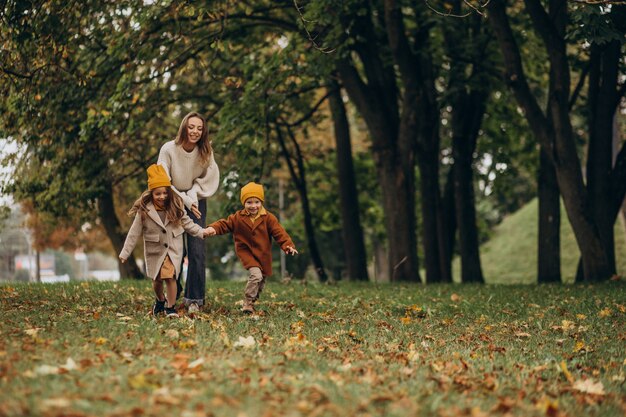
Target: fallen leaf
<point>46,370</point>
<point>568,375</point>
<point>245,342</point>
<point>298,340</point>
<point>70,365</point>
<point>589,386</point>
<point>580,346</point>
<point>187,344</point>
<point>101,341</point>
<point>196,364</point>
<point>225,339</point>
<point>172,334</point>
<point>58,402</point>
<point>32,332</point>
<point>140,381</point>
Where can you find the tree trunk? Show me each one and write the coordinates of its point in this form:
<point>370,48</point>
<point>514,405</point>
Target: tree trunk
<point>106,212</point>
<point>555,134</point>
<point>299,179</point>
<point>399,207</point>
<point>617,141</point>
<point>436,259</point>
<point>381,261</point>
<point>352,233</point>
<point>38,266</point>
<point>602,97</point>
<point>316,258</point>
<point>468,91</point>
<point>549,233</point>
<point>549,237</point>
<point>396,181</point>
<point>449,215</point>
<point>467,117</point>
<point>435,255</point>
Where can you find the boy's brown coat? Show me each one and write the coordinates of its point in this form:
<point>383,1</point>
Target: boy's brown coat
<point>253,243</point>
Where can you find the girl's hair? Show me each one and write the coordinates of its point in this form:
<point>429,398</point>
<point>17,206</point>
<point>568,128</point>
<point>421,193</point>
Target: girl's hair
<point>204,145</point>
<point>174,207</point>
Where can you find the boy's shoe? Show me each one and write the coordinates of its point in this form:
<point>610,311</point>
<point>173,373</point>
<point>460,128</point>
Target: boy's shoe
<point>171,312</point>
<point>193,308</point>
<point>248,308</point>
<point>158,307</point>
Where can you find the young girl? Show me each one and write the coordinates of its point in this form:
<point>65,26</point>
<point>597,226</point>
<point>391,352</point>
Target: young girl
<point>160,217</point>
<point>189,163</point>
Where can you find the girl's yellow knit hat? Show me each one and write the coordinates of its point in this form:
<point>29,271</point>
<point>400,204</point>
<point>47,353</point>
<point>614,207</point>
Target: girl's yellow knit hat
<point>252,189</point>
<point>157,177</point>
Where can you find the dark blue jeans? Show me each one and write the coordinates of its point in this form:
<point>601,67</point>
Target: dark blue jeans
<point>195,285</point>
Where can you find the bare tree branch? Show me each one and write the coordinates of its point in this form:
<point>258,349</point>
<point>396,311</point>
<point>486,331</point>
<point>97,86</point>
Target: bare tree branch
<point>308,33</point>
<point>309,114</point>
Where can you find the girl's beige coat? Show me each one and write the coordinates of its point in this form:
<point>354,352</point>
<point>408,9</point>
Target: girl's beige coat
<point>159,239</point>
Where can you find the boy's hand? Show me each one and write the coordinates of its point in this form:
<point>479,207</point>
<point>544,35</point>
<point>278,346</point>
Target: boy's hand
<point>289,250</point>
<point>122,260</point>
<point>209,231</point>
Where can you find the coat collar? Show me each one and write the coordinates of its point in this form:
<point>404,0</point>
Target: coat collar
<point>152,213</point>
<point>246,218</point>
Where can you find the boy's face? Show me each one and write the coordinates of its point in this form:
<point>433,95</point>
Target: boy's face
<point>253,205</point>
<point>160,195</point>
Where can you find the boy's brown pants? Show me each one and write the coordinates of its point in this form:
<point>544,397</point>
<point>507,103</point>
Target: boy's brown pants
<point>256,282</point>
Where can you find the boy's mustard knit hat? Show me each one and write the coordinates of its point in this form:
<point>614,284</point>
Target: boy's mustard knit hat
<point>252,189</point>
<point>157,177</point>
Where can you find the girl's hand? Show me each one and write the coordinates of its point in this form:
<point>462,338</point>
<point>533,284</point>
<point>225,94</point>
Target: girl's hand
<point>291,250</point>
<point>122,260</point>
<point>196,212</point>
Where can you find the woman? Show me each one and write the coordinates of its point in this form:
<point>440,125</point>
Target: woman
<point>189,162</point>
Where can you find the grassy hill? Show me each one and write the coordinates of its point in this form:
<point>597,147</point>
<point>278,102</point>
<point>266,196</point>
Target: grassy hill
<point>510,256</point>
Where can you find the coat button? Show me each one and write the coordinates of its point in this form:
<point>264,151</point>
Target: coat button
<point>163,230</point>
<point>165,244</point>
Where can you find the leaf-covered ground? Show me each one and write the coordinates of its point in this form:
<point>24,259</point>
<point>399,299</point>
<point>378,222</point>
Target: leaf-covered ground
<point>92,349</point>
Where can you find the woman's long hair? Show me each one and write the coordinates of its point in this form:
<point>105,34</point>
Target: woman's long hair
<point>204,145</point>
<point>174,206</point>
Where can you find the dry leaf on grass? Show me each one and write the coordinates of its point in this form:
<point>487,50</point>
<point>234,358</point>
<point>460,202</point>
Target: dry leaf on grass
<point>245,342</point>
<point>589,386</point>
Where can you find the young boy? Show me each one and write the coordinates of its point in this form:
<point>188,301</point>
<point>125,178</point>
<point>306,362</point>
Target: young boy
<point>252,229</point>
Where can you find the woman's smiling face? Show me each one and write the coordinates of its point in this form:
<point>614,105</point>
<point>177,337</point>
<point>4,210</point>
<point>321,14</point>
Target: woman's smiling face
<point>194,130</point>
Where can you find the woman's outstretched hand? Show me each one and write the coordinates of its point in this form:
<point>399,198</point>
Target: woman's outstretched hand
<point>196,212</point>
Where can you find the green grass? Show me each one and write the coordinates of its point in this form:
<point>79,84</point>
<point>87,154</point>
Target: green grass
<point>91,349</point>
<point>510,255</point>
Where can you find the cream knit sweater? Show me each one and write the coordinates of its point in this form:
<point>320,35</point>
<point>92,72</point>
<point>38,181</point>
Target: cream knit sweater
<point>191,179</point>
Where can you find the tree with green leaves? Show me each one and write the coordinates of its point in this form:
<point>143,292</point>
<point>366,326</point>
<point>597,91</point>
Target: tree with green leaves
<point>88,94</point>
<point>553,128</point>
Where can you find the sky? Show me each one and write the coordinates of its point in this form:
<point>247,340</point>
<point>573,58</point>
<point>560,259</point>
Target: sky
<point>7,147</point>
